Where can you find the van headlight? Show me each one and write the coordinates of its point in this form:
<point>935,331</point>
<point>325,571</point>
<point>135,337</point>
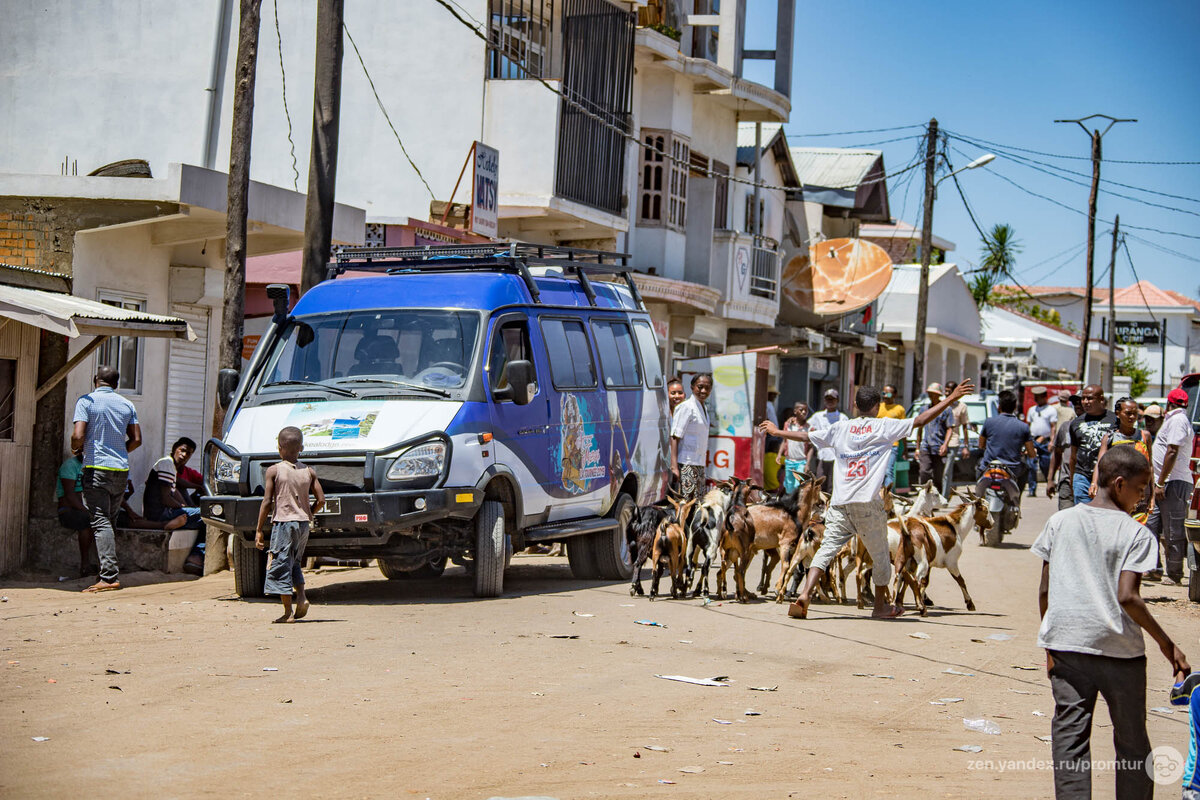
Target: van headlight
<point>226,469</point>
<point>422,461</point>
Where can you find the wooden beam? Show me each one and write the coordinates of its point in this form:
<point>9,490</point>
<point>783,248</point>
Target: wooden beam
<point>71,364</point>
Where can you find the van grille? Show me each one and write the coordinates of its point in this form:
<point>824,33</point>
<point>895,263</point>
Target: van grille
<point>339,478</point>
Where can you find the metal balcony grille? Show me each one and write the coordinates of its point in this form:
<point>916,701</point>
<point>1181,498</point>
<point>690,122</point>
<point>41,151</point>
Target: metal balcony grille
<point>764,268</point>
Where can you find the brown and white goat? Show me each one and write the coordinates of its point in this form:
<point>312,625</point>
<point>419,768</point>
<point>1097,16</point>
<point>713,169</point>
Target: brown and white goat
<point>667,552</point>
<point>778,525</point>
<point>935,542</point>
<point>737,545</point>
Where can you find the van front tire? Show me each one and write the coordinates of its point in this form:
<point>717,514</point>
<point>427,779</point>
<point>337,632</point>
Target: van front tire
<point>581,555</point>
<point>490,546</point>
<point>611,548</point>
<point>249,569</point>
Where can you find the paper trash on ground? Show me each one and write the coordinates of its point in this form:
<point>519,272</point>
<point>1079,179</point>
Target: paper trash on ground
<point>982,726</point>
<point>696,681</point>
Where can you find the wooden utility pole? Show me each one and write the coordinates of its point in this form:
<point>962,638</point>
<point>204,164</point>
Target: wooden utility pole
<point>1096,135</point>
<point>322,165</point>
<point>918,373</point>
<point>1112,313</point>
<point>234,313</point>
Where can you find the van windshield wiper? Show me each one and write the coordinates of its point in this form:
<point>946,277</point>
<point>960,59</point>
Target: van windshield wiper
<point>325,386</point>
<point>401,384</point>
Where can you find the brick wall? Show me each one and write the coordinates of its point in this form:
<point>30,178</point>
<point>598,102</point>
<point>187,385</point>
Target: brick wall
<point>33,235</point>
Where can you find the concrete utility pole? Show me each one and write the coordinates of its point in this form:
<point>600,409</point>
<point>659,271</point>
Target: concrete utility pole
<point>322,165</point>
<point>234,314</point>
<point>918,373</point>
<point>1096,135</point>
<point>1112,313</point>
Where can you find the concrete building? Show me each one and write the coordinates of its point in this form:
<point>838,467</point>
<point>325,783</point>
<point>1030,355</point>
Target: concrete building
<point>1026,348</point>
<point>142,246</point>
<point>1162,327</point>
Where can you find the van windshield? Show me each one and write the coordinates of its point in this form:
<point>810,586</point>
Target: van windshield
<point>408,347</point>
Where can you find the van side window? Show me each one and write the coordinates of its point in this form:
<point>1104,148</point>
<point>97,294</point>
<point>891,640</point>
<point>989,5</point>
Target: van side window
<point>618,358</point>
<point>570,355</point>
<point>509,343</point>
<point>648,345</point>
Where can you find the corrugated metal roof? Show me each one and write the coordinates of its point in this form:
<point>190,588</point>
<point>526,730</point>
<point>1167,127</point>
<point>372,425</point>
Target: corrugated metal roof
<point>746,133</point>
<point>818,166</point>
<point>72,316</point>
<point>906,278</point>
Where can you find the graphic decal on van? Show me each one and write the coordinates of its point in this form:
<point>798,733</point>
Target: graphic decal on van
<point>349,421</point>
<point>579,453</point>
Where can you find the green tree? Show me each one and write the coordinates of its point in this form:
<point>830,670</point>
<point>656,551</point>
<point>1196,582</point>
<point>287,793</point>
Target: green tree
<point>1000,249</point>
<point>1137,370</point>
<point>982,287</point>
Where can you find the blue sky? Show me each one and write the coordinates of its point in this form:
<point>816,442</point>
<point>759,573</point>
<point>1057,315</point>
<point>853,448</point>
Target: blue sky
<point>1003,72</point>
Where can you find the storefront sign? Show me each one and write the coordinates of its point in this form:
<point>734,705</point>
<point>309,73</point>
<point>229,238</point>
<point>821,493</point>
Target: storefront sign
<point>1137,332</point>
<point>485,207</point>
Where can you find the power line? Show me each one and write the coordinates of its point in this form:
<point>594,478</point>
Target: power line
<point>283,92</point>
<point>856,133</point>
<point>1046,170</point>
<point>1085,158</point>
<point>1004,151</point>
<point>379,102</point>
<point>1160,248</point>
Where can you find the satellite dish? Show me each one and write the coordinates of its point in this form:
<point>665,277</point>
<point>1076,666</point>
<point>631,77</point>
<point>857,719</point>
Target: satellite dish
<point>837,276</point>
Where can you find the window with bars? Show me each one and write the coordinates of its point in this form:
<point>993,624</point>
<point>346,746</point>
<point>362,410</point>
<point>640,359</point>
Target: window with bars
<point>721,201</point>
<point>664,179</point>
<point>520,33</point>
<point>123,353</point>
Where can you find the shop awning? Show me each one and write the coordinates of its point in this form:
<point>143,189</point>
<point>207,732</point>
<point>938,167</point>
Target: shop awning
<point>76,316</point>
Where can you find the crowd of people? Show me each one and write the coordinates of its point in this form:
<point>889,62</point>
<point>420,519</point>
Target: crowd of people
<point>93,486</point>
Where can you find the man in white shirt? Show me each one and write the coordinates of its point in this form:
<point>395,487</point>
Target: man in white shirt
<point>1170,455</point>
<point>825,418</point>
<point>861,448</point>
<point>1042,419</point>
<point>689,440</point>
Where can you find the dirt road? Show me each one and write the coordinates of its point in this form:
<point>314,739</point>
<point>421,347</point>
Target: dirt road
<point>397,688</point>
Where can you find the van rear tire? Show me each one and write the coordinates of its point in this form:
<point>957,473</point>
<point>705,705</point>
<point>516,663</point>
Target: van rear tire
<point>611,548</point>
<point>490,546</point>
<point>249,569</point>
<point>430,569</point>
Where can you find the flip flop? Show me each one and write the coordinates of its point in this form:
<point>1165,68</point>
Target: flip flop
<point>798,610</point>
<point>892,612</point>
<point>101,586</point>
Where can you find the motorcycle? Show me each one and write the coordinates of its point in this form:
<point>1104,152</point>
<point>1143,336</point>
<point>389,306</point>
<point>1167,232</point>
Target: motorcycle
<point>999,487</point>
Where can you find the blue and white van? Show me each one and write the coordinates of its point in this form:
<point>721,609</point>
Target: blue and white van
<point>457,403</point>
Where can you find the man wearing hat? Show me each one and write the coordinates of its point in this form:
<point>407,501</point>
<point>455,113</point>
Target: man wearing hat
<point>1152,419</point>
<point>933,440</point>
<point>1172,483</point>
<point>1042,419</point>
<point>826,418</point>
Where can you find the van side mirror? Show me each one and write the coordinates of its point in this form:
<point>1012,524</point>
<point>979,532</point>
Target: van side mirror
<point>521,387</point>
<point>227,382</point>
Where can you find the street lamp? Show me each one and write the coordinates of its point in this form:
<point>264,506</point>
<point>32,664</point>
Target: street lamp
<point>918,374</point>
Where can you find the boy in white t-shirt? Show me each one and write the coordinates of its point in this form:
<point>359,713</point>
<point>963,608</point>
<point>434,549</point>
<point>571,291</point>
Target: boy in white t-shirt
<point>861,447</point>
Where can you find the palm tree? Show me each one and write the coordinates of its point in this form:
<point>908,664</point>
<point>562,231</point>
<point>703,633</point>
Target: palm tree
<point>1000,248</point>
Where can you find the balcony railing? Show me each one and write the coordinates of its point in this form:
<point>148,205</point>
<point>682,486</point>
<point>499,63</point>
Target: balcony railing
<point>764,268</point>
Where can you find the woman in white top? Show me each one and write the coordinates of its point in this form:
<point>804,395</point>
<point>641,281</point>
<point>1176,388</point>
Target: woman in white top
<point>689,439</point>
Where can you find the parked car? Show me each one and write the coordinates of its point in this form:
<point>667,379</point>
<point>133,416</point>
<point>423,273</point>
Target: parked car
<point>463,403</point>
<point>979,408</point>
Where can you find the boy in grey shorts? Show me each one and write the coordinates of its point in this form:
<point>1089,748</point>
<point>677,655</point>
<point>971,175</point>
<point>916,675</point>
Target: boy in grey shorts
<point>1093,615</point>
<point>863,460</point>
<point>286,491</point>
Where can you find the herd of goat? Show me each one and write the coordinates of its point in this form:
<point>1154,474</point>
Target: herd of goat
<point>734,521</point>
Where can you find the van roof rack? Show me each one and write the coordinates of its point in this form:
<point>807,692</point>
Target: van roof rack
<point>515,257</point>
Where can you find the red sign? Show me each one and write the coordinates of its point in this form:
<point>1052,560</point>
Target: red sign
<point>249,342</point>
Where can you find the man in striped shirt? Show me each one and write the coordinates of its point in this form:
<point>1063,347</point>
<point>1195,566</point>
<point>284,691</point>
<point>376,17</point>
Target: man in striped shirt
<point>107,430</point>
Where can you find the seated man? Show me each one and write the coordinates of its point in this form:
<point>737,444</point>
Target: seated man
<point>72,515</point>
<point>188,481</point>
<point>162,499</point>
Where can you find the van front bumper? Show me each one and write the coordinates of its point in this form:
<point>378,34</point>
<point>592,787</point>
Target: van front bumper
<point>367,513</point>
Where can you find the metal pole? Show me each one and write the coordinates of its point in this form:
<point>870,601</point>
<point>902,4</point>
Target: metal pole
<point>1162,381</point>
<point>757,228</point>
<point>918,376</point>
<point>322,167</point>
<point>1112,314</point>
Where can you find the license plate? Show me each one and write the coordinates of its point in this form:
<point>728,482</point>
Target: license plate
<point>333,505</point>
